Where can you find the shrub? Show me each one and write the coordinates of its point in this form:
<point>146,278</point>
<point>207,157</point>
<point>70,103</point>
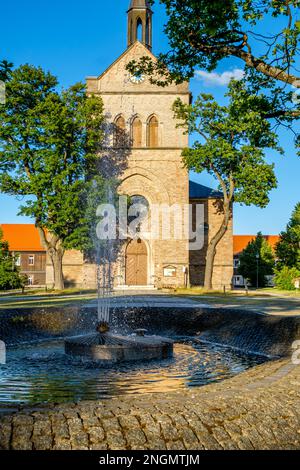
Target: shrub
<point>285,278</point>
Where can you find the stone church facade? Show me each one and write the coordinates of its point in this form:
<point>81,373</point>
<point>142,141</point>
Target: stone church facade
<point>142,113</point>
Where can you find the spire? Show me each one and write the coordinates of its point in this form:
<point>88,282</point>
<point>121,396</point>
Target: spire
<point>140,23</point>
<point>139,4</point>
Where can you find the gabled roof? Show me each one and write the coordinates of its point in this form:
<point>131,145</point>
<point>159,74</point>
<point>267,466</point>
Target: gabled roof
<point>198,191</point>
<point>127,51</point>
<point>22,237</point>
<point>240,242</point>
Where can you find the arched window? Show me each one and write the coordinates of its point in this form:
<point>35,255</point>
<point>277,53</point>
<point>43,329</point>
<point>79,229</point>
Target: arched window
<point>139,30</point>
<point>138,208</point>
<point>152,132</point>
<point>136,132</point>
<point>119,132</point>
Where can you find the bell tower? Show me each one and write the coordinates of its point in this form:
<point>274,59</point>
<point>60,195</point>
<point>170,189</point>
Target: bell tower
<point>140,23</point>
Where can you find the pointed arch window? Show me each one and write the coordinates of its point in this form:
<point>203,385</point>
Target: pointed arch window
<point>139,30</point>
<point>152,132</point>
<point>119,132</point>
<point>136,132</point>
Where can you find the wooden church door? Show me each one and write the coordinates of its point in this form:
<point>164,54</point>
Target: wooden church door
<point>136,263</point>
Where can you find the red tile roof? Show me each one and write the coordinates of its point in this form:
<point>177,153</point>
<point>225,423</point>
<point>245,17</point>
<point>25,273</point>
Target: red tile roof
<point>240,242</point>
<point>22,237</point>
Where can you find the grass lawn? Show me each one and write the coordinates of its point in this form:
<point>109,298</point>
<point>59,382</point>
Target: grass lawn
<point>44,293</point>
<point>286,293</point>
<point>219,293</point>
<point>35,299</point>
<point>272,299</point>
<point>266,292</point>
<point>38,303</point>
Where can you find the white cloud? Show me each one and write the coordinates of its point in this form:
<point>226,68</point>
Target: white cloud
<point>219,79</point>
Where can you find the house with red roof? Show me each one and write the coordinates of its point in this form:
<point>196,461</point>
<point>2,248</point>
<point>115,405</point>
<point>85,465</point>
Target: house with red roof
<point>240,242</point>
<point>25,245</point>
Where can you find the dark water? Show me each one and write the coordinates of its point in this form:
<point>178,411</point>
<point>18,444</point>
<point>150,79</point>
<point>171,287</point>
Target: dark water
<point>40,373</point>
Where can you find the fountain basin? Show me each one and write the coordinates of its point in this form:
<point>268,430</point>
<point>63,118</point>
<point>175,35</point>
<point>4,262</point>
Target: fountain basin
<point>109,348</point>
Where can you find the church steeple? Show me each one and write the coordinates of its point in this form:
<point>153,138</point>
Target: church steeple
<point>140,23</point>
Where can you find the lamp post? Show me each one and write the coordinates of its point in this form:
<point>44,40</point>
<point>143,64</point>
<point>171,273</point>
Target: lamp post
<point>257,270</point>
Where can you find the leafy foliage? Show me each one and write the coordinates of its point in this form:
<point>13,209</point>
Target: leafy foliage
<point>49,143</point>
<point>233,139</point>
<point>203,32</point>
<point>285,278</point>
<point>5,70</point>
<point>288,248</point>
<point>49,147</point>
<point>231,149</point>
<point>258,254</point>
<point>10,277</point>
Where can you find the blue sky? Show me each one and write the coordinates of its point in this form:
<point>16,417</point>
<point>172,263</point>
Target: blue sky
<point>73,39</point>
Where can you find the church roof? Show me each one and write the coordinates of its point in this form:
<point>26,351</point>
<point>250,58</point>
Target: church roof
<point>198,191</point>
<point>139,4</point>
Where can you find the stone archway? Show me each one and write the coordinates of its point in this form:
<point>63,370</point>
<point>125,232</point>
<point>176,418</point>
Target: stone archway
<point>136,263</point>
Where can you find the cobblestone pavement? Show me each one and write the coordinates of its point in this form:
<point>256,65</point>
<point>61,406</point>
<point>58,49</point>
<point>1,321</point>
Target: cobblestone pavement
<point>258,409</point>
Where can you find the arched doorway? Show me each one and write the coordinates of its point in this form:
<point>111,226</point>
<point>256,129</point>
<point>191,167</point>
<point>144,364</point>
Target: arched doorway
<point>136,263</point>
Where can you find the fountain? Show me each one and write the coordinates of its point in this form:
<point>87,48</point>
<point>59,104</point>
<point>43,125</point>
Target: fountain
<point>104,346</point>
<point>108,348</point>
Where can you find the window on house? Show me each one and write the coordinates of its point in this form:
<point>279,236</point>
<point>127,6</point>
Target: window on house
<point>30,280</point>
<point>119,132</point>
<point>152,132</point>
<point>236,262</point>
<point>136,133</point>
<point>31,260</point>
<point>238,281</point>
<point>18,260</point>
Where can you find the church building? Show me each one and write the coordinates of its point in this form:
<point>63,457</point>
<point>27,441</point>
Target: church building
<point>141,114</point>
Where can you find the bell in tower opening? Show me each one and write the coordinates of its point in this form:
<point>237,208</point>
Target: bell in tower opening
<point>140,23</point>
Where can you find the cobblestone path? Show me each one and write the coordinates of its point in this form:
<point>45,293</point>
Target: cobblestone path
<point>259,409</point>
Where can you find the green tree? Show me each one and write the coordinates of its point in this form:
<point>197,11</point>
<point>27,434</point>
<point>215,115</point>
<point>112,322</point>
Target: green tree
<point>5,70</point>
<point>288,247</point>
<point>10,277</point>
<point>231,149</point>
<point>257,261</point>
<point>203,32</point>
<point>49,145</point>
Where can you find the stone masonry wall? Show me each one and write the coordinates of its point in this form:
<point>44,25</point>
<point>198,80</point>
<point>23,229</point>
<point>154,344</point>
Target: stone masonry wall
<point>223,267</point>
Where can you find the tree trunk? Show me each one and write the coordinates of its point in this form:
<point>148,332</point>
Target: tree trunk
<point>56,256</point>
<point>52,244</point>
<point>212,247</point>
